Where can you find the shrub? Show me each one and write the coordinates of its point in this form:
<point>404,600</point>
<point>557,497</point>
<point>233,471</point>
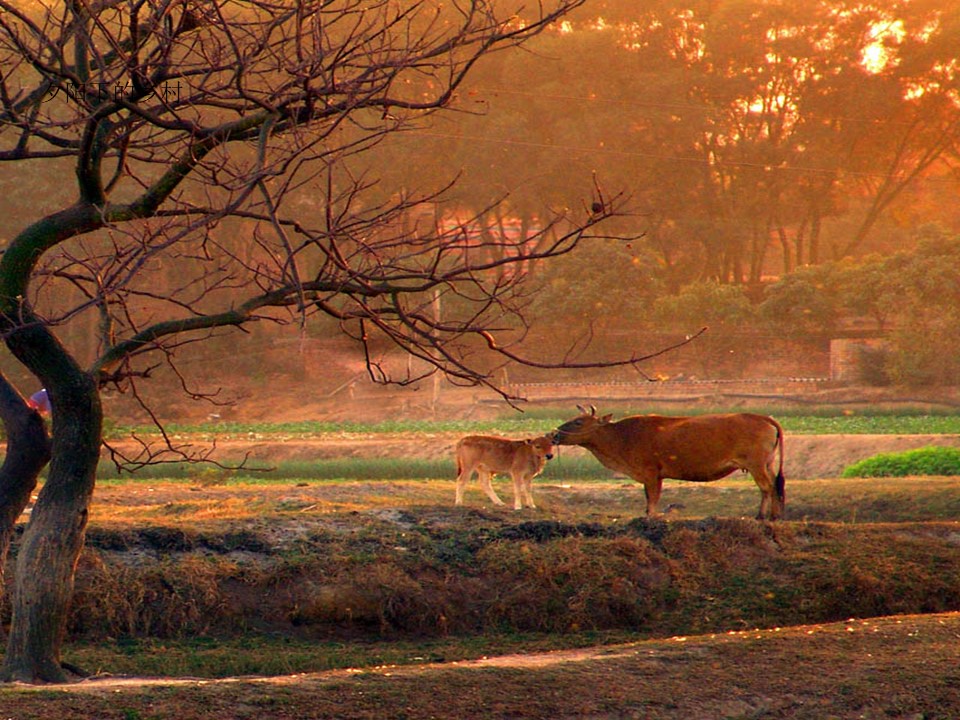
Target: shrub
<point>922,461</point>
<point>874,365</point>
<point>802,302</point>
<point>707,303</point>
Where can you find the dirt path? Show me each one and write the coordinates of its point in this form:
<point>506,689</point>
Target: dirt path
<point>901,667</point>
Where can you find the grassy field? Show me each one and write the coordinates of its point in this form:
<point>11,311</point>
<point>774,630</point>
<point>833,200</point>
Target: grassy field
<point>374,468</point>
<point>391,594</point>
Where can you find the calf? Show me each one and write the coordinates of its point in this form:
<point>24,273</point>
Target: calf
<point>522,459</point>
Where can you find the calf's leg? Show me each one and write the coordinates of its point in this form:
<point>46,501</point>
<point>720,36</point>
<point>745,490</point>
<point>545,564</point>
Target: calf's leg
<point>462,480</point>
<point>517,490</point>
<point>485,477</point>
<point>528,491</point>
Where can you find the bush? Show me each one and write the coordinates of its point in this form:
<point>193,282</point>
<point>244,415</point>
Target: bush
<point>802,302</point>
<point>874,365</point>
<point>705,303</point>
<point>922,461</point>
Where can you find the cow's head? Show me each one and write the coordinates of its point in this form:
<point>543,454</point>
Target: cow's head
<point>542,447</point>
<point>574,432</point>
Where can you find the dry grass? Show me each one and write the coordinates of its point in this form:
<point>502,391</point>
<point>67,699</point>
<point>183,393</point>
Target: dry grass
<point>391,560</point>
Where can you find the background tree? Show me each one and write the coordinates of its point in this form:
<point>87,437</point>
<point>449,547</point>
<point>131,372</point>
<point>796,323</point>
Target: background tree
<point>924,287</point>
<point>723,309</point>
<point>803,302</point>
<point>755,138</point>
<point>218,180</point>
<point>580,286</point>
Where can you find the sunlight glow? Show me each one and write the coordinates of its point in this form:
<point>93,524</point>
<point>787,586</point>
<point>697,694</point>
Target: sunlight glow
<point>880,53</point>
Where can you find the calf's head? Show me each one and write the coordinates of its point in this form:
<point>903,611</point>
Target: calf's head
<point>542,448</point>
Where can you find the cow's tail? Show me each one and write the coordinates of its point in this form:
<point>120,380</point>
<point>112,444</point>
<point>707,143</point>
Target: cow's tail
<point>780,484</point>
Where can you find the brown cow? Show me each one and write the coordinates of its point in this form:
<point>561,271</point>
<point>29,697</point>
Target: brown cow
<point>522,459</point>
<point>650,448</point>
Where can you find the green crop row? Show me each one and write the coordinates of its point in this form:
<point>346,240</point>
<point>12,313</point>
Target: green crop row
<point>530,424</point>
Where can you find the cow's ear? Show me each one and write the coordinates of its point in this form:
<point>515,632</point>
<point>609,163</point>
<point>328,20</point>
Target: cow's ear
<point>606,418</point>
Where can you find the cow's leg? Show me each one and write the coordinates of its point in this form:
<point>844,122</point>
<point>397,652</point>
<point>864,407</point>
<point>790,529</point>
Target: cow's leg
<point>652,487</point>
<point>779,495</point>
<point>769,502</point>
<point>462,480</point>
<point>485,477</point>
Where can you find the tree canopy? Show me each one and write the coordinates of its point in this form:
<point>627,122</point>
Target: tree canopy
<point>754,137</point>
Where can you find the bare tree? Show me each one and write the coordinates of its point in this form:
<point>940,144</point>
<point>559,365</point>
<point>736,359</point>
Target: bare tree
<point>216,148</point>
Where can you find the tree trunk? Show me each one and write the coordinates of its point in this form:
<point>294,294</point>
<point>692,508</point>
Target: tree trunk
<point>813,255</point>
<point>28,450</point>
<point>785,246</point>
<point>51,545</point>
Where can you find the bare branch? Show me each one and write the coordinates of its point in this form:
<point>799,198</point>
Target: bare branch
<point>633,360</point>
<point>217,149</point>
